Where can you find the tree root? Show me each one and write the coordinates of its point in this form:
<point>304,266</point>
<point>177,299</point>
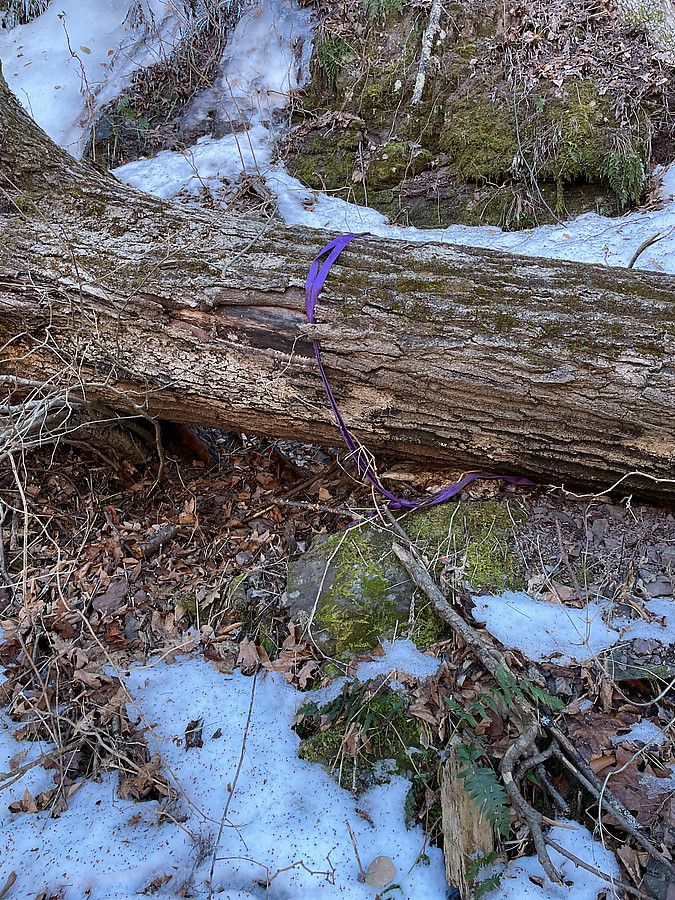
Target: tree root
<point>523,753</point>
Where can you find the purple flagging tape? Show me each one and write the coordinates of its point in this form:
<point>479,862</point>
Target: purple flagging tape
<point>318,273</point>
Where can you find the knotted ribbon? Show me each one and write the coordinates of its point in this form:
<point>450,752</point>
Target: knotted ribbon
<point>318,273</point>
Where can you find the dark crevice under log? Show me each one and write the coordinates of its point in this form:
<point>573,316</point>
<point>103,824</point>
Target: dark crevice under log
<point>559,370</point>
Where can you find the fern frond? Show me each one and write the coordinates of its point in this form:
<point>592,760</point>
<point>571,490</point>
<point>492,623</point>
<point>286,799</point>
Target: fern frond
<point>480,862</point>
<point>489,884</point>
<point>539,695</point>
<point>462,714</point>
<point>485,790</point>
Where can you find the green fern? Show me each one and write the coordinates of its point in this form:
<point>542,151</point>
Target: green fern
<point>539,695</point>
<point>511,688</point>
<point>482,888</point>
<point>331,51</point>
<point>478,863</point>
<point>382,8</point>
<point>625,172</point>
<point>484,788</point>
<point>462,714</point>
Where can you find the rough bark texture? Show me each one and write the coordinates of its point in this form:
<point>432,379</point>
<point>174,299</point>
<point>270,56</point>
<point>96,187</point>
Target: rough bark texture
<point>559,370</point>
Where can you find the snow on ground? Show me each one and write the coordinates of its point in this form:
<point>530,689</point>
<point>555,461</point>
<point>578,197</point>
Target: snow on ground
<point>283,812</point>
<point>207,163</point>
<point>266,57</point>
<point>646,732</point>
<point>544,630</point>
<point>516,883</point>
<point>286,815</point>
<point>78,55</point>
<point>400,656</point>
<point>589,238</point>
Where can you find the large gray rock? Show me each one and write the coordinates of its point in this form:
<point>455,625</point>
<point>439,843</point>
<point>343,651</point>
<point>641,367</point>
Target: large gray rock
<point>350,591</point>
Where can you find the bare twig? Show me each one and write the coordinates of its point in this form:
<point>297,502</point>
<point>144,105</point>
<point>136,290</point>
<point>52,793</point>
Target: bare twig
<point>643,246</point>
<point>234,784</point>
<point>362,874</point>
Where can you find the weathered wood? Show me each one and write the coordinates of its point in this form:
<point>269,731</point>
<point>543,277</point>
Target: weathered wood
<point>559,370</point>
<point>467,833</point>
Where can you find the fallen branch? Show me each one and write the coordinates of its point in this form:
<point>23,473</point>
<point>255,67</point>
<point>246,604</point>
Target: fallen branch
<point>524,716</point>
<point>618,885</point>
<point>522,754</point>
<point>427,46</point>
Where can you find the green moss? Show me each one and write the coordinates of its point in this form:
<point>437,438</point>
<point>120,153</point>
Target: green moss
<point>357,610</point>
<point>379,99</point>
<point>426,627</point>
<point>385,732</point>
<point>392,163</point>
<point>480,137</point>
<point>328,161</point>
<point>367,597</point>
<point>476,536</point>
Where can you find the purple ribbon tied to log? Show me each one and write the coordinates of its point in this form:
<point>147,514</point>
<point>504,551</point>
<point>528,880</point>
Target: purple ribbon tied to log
<point>318,273</point>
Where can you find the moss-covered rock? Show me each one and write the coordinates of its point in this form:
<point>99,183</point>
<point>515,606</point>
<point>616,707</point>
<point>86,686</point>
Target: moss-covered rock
<point>363,727</point>
<point>354,591</point>
<point>480,136</point>
<point>395,161</point>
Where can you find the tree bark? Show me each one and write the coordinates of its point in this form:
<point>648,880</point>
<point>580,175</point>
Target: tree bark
<point>559,370</point>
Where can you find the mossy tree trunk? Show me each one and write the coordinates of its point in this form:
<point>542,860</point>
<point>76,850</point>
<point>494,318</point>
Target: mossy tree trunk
<point>560,370</point>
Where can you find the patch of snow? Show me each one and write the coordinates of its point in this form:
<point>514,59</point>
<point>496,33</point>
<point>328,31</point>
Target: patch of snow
<point>645,731</point>
<point>400,656</point>
<point>656,786</point>
<point>266,56</point>
<point>516,884</point>
<point>209,163</point>
<point>75,57</point>
<point>283,811</point>
<point>589,238</point>
<point>544,630</point>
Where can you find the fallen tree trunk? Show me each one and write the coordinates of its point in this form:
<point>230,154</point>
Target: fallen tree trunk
<point>562,371</point>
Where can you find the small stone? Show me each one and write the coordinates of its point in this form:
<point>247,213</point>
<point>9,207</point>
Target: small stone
<point>661,587</point>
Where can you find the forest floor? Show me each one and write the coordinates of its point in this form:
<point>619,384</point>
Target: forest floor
<point>157,696</point>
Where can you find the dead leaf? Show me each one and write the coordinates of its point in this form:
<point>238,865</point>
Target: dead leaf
<point>598,763</point>
<point>248,658</point>
<point>88,678</point>
<point>25,804</point>
<point>11,878</point>
<point>381,872</point>
<point>156,884</point>
<point>631,863</point>
<point>16,760</point>
<point>559,593</point>
<point>193,734</point>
